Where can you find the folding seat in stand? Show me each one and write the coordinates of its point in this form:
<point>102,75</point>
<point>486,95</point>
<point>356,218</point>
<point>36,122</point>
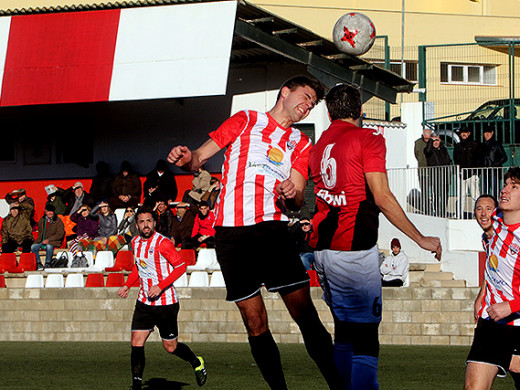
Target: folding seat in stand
<point>34,281</point>
<point>2,281</point>
<point>124,261</point>
<point>115,280</point>
<point>189,256</point>
<point>54,281</point>
<point>182,281</point>
<point>95,280</point>
<point>27,263</point>
<point>206,259</point>
<point>199,279</point>
<point>104,259</point>
<point>74,281</point>
<point>217,279</point>
<point>7,262</point>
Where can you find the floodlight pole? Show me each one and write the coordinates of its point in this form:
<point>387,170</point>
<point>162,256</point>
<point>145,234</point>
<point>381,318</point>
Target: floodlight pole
<point>402,43</point>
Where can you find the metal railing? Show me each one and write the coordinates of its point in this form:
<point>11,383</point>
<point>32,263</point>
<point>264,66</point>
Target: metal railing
<point>446,191</point>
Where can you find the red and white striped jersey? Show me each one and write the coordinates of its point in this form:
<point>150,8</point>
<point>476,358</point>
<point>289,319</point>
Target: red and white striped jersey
<point>260,154</point>
<point>156,258</point>
<point>502,271</point>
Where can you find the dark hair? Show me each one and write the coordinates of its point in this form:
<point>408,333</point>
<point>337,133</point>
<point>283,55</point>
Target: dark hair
<point>512,173</point>
<point>145,210</point>
<point>483,196</point>
<point>304,81</point>
<point>489,128</point>
<point>344,101</point>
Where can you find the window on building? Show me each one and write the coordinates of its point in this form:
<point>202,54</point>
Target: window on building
<point>410,68</point>
<point>470,74</point>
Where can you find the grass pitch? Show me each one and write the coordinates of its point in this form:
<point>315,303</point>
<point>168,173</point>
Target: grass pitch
<point>71,365</point>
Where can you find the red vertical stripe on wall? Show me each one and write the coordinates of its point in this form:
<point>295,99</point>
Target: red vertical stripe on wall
<point>60,58</point>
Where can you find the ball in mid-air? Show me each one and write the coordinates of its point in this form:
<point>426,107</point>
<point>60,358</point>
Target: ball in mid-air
<point>354,33</point>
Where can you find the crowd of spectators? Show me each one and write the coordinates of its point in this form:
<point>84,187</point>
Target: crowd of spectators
<point>469,154</point>
<point>85,220</point>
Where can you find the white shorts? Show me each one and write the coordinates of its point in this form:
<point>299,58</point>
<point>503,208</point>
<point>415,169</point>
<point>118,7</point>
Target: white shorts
<point>351,283</point>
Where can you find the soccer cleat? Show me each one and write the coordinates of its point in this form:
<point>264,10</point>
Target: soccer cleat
<point>200,372</point>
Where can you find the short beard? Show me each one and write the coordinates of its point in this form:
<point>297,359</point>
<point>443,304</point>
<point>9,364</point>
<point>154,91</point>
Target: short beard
<point>146,235</point>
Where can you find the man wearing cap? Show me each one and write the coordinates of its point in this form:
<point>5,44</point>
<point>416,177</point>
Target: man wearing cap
<point>50,235</point>
<point>20,196</point>
<point>182,225</point>
<point>394,269</point>
<point>466,155</point>
<point>75,197</point>
<point>16,228</point>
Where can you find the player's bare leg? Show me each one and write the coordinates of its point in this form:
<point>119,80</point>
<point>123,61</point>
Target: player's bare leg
<point>480,376</point>
<point>263,347</point>
<point>317,340</point>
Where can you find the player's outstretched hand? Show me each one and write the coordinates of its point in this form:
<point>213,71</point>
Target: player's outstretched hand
<point>499,311</point>
<point>432,244</point>
<point>180,155</point>
<point>286,189</point>
<point>123,291</point>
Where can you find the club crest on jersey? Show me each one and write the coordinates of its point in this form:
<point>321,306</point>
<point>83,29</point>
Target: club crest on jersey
<point>142,263</point>
<point>514,249</point>
<point>493,263</point>
<point>291,145</point>
<point>275,156</point>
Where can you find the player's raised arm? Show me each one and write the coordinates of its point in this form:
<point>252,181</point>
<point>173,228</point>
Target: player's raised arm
<point>385,200</point>
<point>188,160</point>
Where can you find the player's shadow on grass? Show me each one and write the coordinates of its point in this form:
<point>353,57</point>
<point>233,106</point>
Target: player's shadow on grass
<point>162,384</point>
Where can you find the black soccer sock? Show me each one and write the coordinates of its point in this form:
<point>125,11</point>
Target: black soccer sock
<point>137,359</point>
<point>318,343</point>
<point>267,358</point>
<point>186,354</point>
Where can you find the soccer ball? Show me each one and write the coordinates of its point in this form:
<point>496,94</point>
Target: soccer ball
<point>354,33</point>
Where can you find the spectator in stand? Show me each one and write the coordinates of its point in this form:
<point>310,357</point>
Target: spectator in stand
<point>424,178</point>
<point>437,156</point>
<point>16,228</point>
<point>203,231</point>
<point>201,184</point>
<point>55,198</point>
<point>182,225</point>
<point>126,188</point>
<point>303,235</point>
<point>127,228</point>
<point>466,155</point>
<point>101,188</point>
<point>211,195</point>
<point>50,235</point>
<point>20,197</point>
<point>494,156</point>
<point>395,267</point>
<point>160,179</point>
<point>164,216</point>
<point>86,227</point>
<point>107,237</point>
<point>76,196</point>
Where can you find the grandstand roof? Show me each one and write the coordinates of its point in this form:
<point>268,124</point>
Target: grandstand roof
<point>264,38</point>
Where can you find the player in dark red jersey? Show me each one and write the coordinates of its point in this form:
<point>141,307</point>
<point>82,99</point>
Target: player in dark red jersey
<point>348,168</point>
<point>265,172</point>
<point>157,265</point>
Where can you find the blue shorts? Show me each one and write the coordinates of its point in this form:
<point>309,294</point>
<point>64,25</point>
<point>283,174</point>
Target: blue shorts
<point>351,283</point>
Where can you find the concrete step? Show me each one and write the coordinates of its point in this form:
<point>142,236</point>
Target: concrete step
<point>415,276</point>
<point>438,275</point>
<point>443,283</point>
<point>433,267</point>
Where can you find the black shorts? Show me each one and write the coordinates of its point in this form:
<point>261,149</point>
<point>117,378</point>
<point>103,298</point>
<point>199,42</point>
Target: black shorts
<point>494,344</point>
<point>146,317</point>
<point>261,254</point>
